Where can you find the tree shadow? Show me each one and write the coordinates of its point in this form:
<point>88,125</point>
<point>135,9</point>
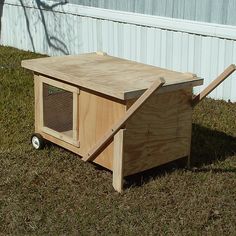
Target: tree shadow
<point>1,13</point>
<point>208,146</point>
<point>52,41</point>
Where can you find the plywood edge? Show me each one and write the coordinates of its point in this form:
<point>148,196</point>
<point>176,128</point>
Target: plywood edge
<point>71,80</point>
<point>166,88</point>
<point>38,66</point>
<point>28,63</point>
<point>160,162</point>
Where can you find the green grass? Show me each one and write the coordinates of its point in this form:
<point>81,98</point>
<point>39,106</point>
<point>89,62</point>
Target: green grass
<point>52,192</point>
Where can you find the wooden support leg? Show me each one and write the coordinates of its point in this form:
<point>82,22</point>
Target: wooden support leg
<point>118,161</point>
<point>37,94</point>
<point>188,162</point>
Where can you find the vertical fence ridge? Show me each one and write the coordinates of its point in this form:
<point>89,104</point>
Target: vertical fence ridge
<point>57,33</point>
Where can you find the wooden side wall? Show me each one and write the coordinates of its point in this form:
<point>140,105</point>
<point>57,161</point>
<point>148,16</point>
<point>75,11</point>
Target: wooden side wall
<point>159,133</point>
<point>97,115</point>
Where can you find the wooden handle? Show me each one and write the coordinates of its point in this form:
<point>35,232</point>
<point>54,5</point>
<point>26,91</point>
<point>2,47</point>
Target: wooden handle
<point>132,110</point>
<point>228,71</point>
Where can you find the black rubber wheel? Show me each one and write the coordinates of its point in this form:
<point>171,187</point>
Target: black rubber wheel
<point>37,141</point>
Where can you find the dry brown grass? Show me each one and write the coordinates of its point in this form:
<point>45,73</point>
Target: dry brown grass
<point>52,192</point>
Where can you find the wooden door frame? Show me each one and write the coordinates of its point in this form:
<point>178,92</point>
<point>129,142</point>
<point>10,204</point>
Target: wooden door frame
<point>75,91</point>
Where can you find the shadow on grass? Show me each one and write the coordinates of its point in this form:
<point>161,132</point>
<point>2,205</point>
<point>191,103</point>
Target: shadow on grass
<point>208,146</point>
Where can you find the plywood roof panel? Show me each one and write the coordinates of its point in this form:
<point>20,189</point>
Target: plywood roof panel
<point>109,75</point>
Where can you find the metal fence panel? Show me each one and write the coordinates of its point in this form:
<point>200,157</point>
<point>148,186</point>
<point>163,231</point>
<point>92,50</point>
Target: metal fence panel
<point>57,33</point>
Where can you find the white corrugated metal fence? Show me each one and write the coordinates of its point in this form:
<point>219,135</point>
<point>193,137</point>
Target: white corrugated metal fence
<point>202,48</point>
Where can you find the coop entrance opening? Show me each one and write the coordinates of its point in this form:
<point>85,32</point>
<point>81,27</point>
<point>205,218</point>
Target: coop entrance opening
<point>58,109</point>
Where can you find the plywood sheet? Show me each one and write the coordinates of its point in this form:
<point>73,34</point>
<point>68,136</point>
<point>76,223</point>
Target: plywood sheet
<point>96,116</point>
<point>112,76</point>
<point>159,133</point>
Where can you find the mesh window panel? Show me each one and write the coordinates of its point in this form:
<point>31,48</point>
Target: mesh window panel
<point>58,109</point>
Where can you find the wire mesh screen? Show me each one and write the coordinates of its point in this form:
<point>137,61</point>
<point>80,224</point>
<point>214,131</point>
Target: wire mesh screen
<point>58,109</point>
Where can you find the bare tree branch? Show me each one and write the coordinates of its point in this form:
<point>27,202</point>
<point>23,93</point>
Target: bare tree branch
<point>52,41</point>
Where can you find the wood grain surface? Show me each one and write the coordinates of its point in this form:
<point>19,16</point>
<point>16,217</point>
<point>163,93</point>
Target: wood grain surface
<point>159,133</point>
<point>109,75</point>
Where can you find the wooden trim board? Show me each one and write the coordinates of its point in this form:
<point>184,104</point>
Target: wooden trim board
<point>39,81</point>
<point>36,103</point>
<point>118,161</point>
<point>58,84</point>
<point>60,136</point>
<point>226,73</point>
<point>75,117</point>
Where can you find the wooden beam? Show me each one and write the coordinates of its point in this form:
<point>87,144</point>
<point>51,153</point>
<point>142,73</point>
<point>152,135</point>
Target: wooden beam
<point>228,71</point>
<point>91,155</point>
<point>59,84</point>
<point>61,136</point>
<point>37,104</point>
<point>118,161</point>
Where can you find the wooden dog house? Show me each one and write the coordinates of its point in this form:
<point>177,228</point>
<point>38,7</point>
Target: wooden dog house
<point>125,116</point>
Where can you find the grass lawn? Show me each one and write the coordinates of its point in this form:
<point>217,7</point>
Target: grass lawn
<point>53,192</point>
